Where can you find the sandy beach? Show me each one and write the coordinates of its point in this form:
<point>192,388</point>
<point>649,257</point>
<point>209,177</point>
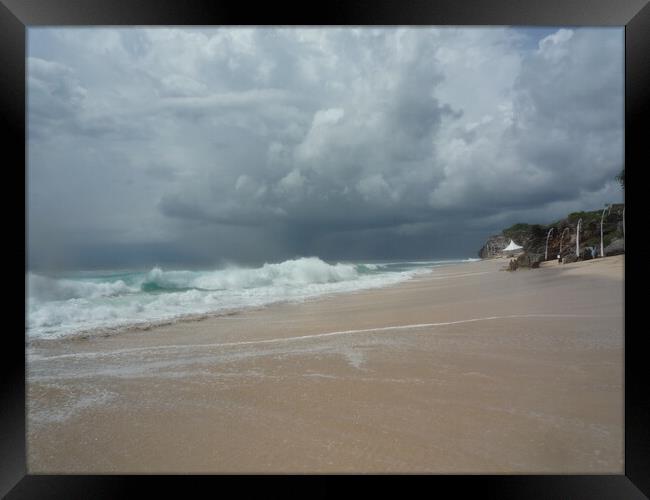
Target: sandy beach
<point>468,369</point>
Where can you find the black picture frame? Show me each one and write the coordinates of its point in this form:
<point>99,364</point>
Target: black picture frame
<point>17,15</point>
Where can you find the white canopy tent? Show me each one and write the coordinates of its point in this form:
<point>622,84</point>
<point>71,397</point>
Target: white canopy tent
<point>512,248</point>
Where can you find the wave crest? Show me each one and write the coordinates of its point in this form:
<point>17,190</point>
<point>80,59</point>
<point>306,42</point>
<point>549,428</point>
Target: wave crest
<point>42,288</point>
<point>58,307</point>
<point>290,273</point>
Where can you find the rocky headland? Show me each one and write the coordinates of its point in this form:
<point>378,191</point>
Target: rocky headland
<point>562,240</point>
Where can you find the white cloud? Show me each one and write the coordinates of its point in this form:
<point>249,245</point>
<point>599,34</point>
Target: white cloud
<point>325,117</point>
<point>554,46</point>
<point>169,128</point>
<point>292,183</point>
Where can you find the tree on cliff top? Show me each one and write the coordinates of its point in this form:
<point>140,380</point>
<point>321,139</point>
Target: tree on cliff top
<point>621,178</point>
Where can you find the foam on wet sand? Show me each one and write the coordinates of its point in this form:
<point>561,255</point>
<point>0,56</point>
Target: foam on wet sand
<point>468,369</point>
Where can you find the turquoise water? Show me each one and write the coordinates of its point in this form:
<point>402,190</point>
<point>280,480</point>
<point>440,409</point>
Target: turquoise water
<point>63,304</point>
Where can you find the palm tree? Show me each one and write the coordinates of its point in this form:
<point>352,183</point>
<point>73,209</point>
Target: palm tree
<point>621,178</point>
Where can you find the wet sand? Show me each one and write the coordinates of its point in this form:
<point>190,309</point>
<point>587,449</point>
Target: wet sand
<point>469,369</point>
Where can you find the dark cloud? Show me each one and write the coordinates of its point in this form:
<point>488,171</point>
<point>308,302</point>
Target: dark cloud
<point>189,146</point>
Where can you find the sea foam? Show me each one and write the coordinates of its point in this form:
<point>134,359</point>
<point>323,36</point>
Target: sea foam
<point>58,306</point>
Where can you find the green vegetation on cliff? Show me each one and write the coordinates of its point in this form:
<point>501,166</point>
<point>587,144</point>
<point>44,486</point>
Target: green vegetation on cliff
<point>533,236</point>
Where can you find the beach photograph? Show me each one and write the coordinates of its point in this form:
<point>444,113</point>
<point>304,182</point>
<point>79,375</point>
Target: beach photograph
<point>324,250</point>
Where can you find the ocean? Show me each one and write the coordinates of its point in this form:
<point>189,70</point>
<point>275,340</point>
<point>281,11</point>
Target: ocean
<point>80,302</point>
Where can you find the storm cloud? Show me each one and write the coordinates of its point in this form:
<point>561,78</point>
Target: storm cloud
<point>194,146</point>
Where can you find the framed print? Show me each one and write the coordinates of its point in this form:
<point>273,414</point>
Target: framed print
<point>350,240</point>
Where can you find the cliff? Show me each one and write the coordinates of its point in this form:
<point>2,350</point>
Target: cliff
<point>533,236</point>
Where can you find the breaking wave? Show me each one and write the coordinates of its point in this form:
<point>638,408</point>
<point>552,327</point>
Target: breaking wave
<point>297,272</point>
<point>43,288</point>
<point>57,306</point>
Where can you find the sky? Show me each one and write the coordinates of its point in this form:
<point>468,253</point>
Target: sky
<point>192,147</point>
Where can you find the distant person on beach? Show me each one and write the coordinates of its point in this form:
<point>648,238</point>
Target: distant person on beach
<point>559,259</point>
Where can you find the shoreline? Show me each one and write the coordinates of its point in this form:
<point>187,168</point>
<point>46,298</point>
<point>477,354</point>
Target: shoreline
<point>393,371</point>
<point>145,324</point>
